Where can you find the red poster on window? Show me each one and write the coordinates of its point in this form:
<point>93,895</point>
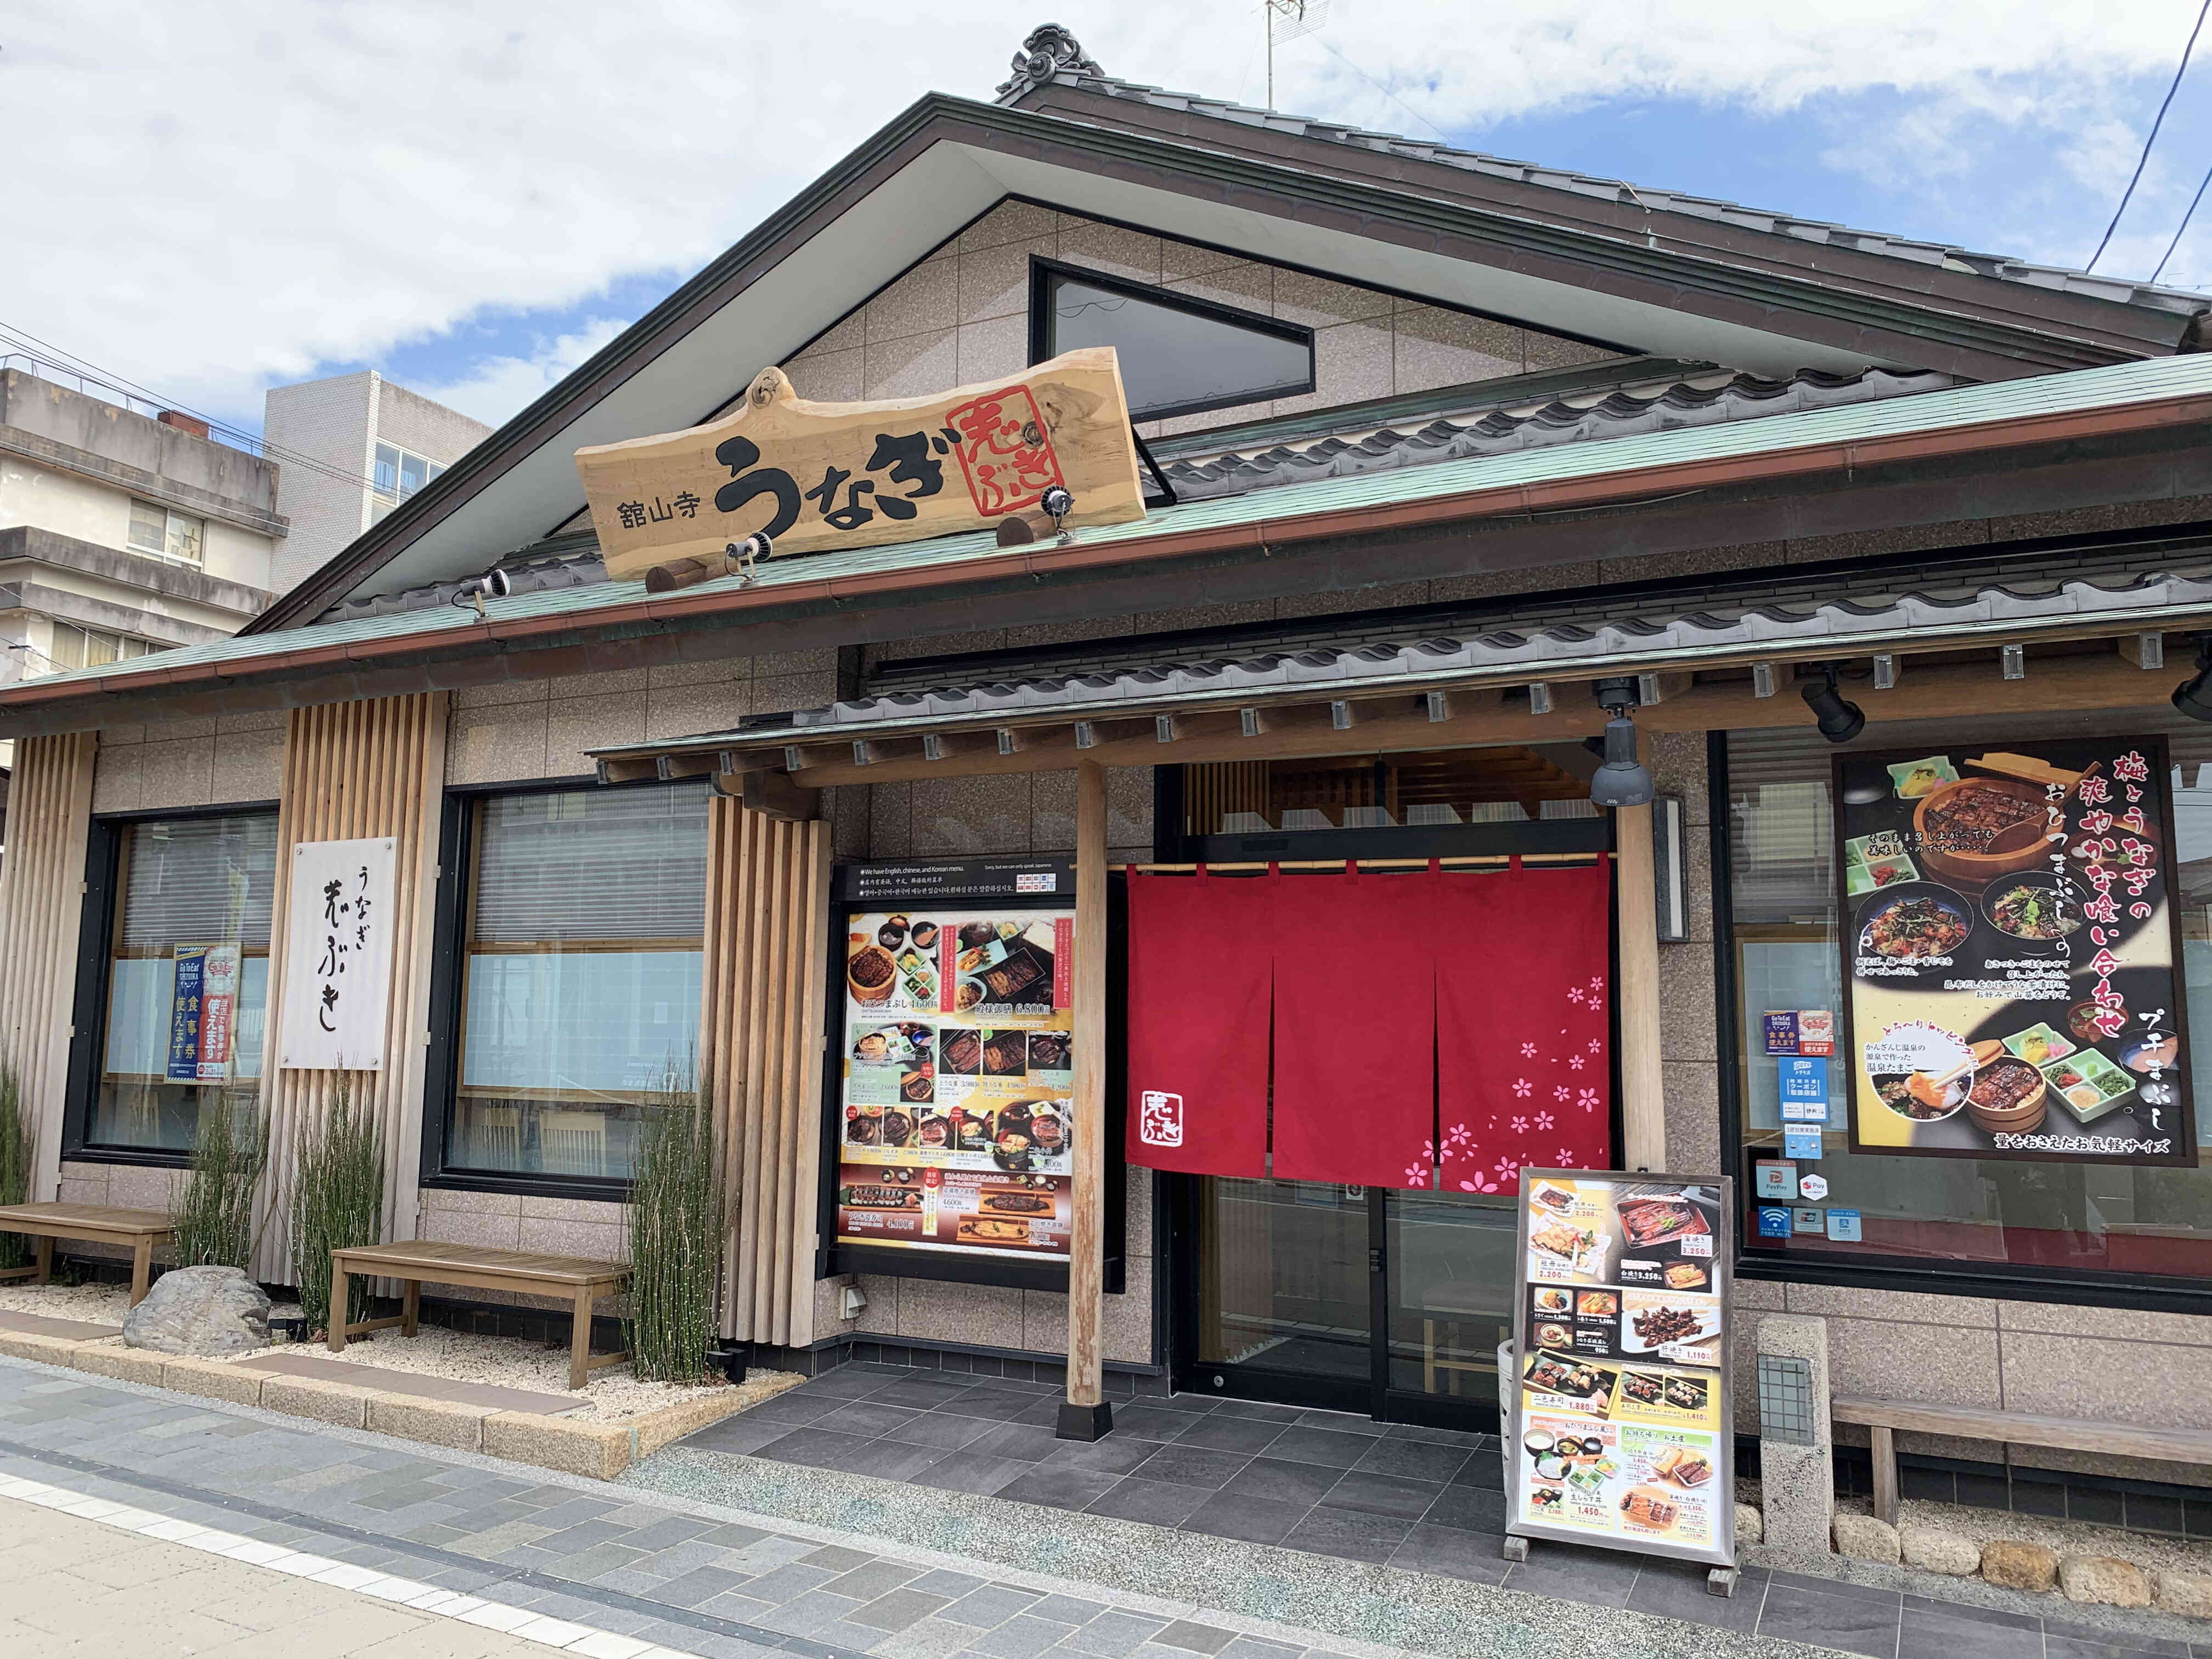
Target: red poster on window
<point>1523,1054</point>
<point>1200,971</point>
<point>1355,1029</point>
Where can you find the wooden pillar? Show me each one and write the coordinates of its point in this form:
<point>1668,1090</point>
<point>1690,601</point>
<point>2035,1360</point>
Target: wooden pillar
<point>1642,1086</point>
<point>1085,1415</point>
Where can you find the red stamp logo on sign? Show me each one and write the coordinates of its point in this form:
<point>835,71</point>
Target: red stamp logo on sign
<point>1005,454</point>
<point>1159,1119</point>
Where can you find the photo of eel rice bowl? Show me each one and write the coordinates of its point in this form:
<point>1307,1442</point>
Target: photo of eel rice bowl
<point>1915,926</point>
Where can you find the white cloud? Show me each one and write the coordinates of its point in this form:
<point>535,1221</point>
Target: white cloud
<point>209,196</point>
<point>496,386</point>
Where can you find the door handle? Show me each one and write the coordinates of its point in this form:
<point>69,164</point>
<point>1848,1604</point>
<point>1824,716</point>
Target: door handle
<point>1375,1259</point>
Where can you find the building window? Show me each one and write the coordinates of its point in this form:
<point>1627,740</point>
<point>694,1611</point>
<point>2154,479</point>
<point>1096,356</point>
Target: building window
<point>399,474</point>
<point>1179,355</point>
<point>91,648</point>
<point>2000,1215</point>
<point>191,928</point>
<point>166,533</point>
<point>583,921</point>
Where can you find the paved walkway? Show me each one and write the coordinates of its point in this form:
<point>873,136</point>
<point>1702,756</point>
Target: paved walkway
<point>81,1586</point>
<point>826,1564</point>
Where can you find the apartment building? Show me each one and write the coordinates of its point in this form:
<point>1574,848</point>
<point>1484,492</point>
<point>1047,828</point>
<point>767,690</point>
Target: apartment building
<point>372,445</point>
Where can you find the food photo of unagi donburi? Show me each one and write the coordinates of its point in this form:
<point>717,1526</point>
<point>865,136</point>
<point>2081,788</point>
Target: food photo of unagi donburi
<point>872,974</point>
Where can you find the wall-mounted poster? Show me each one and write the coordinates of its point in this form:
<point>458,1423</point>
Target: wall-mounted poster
<point>2010,944</point>
<point>1621,1431</point>
<point>955,1116</point>
<point>337,954</point>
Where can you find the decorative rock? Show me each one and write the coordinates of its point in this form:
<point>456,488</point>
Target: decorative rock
<point>206,1311</point>
<point>2189,1593</point>
<point>2104,1580</point>
<point>2014,1563</point>
<point>1862,1538</point>
<point>1935,1549</point>
<point>1749,1529</point>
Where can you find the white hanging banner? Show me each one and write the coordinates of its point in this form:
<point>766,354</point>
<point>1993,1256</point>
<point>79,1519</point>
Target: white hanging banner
<point>337,954</point>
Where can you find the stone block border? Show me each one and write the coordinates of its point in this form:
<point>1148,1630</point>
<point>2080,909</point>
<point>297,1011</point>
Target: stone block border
<point>599,1451</point>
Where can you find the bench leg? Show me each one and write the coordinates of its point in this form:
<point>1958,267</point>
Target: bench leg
<point>411,1307</point>
<point>579,1341</point>
<point>1428,1356</point>
<point>141,1269</point>
<point>338,1292</point>
<point>1885,1473</point>
<point>45,1262</point>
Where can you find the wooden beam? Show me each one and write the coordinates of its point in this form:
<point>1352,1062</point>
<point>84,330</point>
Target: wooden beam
<point>772,794</point>
<point>1086,1414</point>
<point>672,769</point>
<point>630,771</point>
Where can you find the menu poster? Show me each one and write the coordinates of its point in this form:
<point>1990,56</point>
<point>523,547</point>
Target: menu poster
<point>957,1112</point>
<point>1620,1432</point>
<point>2010,945</point>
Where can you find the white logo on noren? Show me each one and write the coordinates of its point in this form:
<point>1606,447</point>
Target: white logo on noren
<point>1159,1119</point>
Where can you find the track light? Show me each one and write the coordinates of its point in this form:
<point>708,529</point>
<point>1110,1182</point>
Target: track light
<point>1622,780</point>
<point>492,585</point>
<point>2193,696</point>
<point>1839,721</point>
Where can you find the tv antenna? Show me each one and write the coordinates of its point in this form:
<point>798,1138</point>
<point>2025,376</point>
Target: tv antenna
<point>1287,20</point>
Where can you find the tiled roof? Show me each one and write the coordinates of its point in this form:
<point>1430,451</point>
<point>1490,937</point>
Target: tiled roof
<point>2153,381</point>
<point>1665,404</point>
<point>2146,593</point>
<point>1051,56</point>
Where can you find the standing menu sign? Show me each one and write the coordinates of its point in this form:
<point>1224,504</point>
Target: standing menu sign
<point>2010,946</point>
<point>956,1109</point>
<point>1621,1431</point>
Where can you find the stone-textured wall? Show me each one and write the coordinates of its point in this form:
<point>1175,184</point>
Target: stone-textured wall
<point>209,761</point>
<point>963,316</point>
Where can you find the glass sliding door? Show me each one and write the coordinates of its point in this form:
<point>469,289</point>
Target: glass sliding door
<point>1283,1305</point>
<point>1449,1257</point>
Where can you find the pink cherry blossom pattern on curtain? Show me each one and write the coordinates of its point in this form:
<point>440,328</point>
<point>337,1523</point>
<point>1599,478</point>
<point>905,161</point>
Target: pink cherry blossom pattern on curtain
<point>1523,1030</point>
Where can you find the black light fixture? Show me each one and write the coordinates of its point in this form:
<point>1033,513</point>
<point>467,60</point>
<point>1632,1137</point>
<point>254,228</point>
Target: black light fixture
<point>2193,696</point>
<point>1622,780</point>
<point>1839,721</point>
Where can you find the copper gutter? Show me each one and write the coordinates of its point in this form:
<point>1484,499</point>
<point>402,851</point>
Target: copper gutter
<point>1618,489</point>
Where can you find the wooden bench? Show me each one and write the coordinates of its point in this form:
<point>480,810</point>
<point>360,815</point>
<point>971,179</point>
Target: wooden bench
<point>97,1224</point>
<point>1883,1418</point>
<point>477,1267</point>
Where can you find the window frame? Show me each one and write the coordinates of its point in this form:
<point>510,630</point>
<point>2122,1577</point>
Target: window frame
<point>448,963</point>
<point>391,499</point>
<point>1044,271</point>
<point>105,842</point>
<point>168,514</point>
<point>1998,1281</point>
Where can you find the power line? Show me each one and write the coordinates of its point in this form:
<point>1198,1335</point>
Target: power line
<point>68,362</point>
<point>1407,107</point>
<point>2183,226</point>
<point>2179,70</point>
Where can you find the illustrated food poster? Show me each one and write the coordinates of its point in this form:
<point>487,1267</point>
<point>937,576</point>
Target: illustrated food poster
<point>2009,947</point>
<point>1621,1434</point>
<point>956,1112</point>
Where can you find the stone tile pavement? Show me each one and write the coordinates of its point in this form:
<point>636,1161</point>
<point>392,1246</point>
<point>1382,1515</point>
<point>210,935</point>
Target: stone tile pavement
<point>719,1553</point>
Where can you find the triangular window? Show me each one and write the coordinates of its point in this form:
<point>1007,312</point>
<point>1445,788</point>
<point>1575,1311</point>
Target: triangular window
<point>1179,355</point>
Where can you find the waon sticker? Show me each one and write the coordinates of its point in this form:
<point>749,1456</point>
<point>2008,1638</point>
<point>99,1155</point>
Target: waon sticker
<point>2010,946</point>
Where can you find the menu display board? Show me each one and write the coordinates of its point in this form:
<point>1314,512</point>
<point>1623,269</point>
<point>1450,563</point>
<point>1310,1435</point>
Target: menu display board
<point>2010,942</point>
<point>1621,1429</point>
<point>956,1112</point>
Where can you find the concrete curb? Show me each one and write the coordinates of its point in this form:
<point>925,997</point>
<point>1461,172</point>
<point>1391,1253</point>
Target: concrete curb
<point>599,1451</point>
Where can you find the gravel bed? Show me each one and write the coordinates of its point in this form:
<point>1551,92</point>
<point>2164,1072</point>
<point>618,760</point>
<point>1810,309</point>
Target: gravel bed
<point>611,1395</point>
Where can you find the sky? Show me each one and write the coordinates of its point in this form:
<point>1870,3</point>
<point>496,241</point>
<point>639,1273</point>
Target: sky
<point>208,197</point>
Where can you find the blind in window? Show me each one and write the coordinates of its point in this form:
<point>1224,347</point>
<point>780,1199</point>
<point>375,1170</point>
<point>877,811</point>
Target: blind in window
<point>200,881</point>
<point>592,864</point>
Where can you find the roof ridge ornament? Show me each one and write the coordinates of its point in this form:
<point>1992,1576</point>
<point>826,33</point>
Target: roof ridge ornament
<point>1048,51</point>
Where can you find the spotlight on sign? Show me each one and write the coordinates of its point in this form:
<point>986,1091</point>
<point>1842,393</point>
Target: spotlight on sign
<point>2193,696</point>
<point>492,585</point>
<point>1839,721</point>
<point>1621,780</point>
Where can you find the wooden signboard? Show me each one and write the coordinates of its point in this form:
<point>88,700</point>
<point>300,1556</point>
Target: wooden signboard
<point>812,476</point>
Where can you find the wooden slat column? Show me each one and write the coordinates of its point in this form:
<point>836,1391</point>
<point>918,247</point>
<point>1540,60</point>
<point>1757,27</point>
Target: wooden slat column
<point>41,906</point>
<point>760,1060</point>
<point>352,770</point>
<point>1643,1090</point>
<point>1085,1415</point>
